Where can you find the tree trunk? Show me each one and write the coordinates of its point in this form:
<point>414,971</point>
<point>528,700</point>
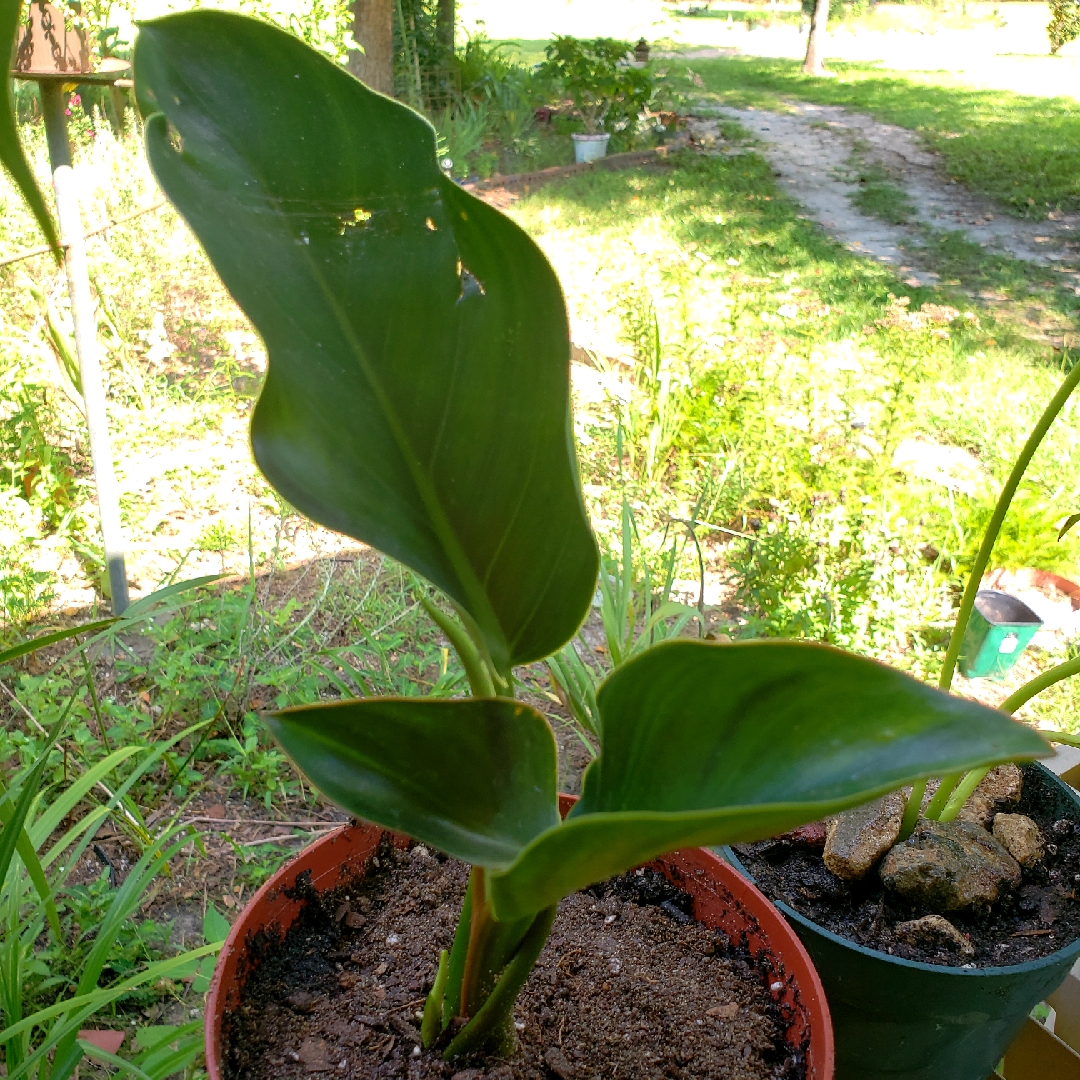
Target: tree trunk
<point>444,25</point>
<point>814,64</point>
<point>373,28</point>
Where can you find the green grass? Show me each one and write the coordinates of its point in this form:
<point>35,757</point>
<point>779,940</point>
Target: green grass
<point>1022,151</point>
<point>879,197</point>
<point>793,374</point>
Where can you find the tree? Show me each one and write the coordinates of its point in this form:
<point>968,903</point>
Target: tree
<point>373,28</point>
<point>447,15</point>
<point>814,64</point>
<point>1064,23</point>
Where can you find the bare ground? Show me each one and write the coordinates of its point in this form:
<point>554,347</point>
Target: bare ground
<point>812,149</point>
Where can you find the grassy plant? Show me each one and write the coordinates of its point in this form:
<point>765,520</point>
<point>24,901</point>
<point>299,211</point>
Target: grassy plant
<point>634,615</point>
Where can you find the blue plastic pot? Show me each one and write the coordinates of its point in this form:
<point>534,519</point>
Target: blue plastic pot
<point>897,1019</point>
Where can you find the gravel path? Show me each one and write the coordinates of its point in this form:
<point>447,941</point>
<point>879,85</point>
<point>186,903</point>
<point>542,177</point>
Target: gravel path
<point>811,148</point>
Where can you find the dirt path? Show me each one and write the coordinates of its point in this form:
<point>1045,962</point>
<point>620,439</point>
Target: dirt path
<point>813,149</point>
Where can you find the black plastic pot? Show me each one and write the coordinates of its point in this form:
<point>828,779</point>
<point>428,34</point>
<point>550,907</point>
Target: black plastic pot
<point>896,1019</point>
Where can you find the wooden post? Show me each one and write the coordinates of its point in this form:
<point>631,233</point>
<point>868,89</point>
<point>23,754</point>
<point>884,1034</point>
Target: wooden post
<point>373,28</point>
<point>82,315</point>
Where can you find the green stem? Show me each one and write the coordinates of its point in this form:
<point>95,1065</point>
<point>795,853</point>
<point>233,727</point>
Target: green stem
<point>451,1005</point>
<point>480,681</point>
<point>491,1023</point>
<point>941,796</point>
<point>962,793</point>
<point>1000,510</point>
<point>911,810</point>
<point>433,1007</point>
<point>1039,684</point>
<point>1066,738</point>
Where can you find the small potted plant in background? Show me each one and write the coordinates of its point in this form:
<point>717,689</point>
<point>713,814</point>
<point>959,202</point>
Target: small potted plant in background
<point>417,398</point>
<point>608,93</point>
<point>912,996</point>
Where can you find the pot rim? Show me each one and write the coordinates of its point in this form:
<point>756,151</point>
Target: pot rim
<point>581,136</point>
<point>1072,948</point>
<point>781,943</point>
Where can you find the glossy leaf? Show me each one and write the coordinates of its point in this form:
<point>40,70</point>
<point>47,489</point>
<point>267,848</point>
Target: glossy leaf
<point>12,155</point>
<point>713,744</point>
<point>474,778</point>
<point>418,388</point>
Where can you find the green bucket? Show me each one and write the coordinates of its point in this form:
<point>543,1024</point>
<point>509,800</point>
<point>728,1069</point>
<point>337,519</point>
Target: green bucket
<point>998,632</point>
<point>897,1019</point>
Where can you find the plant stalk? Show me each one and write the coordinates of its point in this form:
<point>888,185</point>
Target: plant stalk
<point>1040,683</point>
<point>962,793</point>
<point>492,1022</point>
<point>1034,440</point>
<point>942,797</point>
<point>911,810</point>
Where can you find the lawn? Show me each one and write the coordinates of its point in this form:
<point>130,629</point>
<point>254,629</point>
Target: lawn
<point>818,444</point>
<point>1022,151</point>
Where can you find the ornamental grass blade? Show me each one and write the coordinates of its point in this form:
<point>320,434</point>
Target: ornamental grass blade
<point>418,388</point>
<point>12,155</point>
<point>474,777</point>
<point>714,744</point>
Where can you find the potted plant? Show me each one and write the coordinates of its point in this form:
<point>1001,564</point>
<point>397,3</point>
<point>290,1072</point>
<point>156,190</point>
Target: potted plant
<point>417,398</point>
<point>898,1017</point>
<point>608,94</point>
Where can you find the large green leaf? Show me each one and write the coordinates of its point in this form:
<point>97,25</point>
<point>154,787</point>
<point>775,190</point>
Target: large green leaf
<point>712,744</point>
<point>11,151</point>
<point>418,388</point>
<point>474,778</point>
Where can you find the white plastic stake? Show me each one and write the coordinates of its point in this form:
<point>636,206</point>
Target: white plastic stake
<point>86,343</point>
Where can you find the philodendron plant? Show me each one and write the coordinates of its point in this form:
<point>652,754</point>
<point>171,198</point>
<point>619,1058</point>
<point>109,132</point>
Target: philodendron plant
<point>418,399</point>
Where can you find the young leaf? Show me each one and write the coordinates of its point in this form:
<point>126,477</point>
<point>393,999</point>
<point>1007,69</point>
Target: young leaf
<point>474,778</point>
<point>12,155</point>
<point>712,744</point>
<point>418,388</point>
<point>215,925</point>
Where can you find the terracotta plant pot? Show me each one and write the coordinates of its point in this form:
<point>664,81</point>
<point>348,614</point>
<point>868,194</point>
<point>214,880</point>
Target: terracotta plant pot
<point>722,900</point>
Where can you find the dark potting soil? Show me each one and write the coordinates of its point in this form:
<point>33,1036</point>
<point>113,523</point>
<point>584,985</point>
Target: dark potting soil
<point>1042,916</point>
<point>628,985</point>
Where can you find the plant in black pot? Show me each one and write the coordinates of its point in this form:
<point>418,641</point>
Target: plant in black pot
<point>417,399</point>
<point>939,916</point>
<point>607,92</point>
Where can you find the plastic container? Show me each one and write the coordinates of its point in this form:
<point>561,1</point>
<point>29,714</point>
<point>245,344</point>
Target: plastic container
<point>722,899</point>
<point>998,632</point>
<point>897,1019</point>
<point>589,147</point>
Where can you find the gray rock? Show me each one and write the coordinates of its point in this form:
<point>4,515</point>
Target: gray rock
<point>949,866</point>
<point>1020,836</point>
<point>858,838</point>
<point>559,1063</point>
<point>934,932</point>
<point>1000,787</point>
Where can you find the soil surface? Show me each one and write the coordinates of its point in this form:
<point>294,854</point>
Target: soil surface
<point>1040,918</point>
<point>628,985</point>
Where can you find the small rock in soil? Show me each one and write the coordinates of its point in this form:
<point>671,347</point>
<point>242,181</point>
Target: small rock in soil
<point>1000,787</point>
<point>302,1001</point>
<point>558,1063</point>
<point>934,932</point>
<point>314,1055</point>
<point>949,866</point>
<point>724,1012</point>
<point>1020,836</point>
<point>858,838</point>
